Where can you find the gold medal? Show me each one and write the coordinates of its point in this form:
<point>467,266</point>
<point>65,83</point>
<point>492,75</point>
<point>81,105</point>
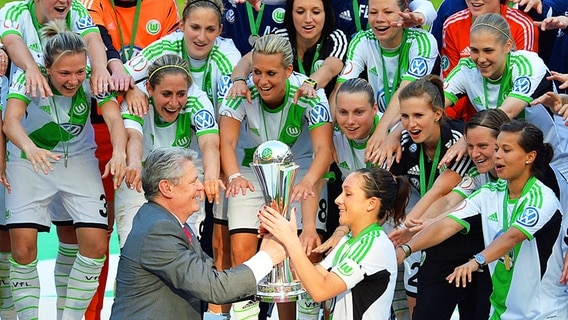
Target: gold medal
<point>507,262</point>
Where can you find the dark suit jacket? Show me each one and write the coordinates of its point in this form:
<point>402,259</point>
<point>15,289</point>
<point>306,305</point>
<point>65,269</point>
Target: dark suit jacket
<point>162,276</point>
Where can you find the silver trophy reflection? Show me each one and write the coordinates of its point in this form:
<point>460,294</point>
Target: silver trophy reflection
<point>274,167</point>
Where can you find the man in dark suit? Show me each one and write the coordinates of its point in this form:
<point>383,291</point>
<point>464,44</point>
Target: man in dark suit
<point>162,272</point>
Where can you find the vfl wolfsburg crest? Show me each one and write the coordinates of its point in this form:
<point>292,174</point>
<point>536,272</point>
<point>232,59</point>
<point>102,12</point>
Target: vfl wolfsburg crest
<point>153,27</point>
<point>293,131</point>
<point>183,142</point>
<point>278,15</point>
<point>81,109</point>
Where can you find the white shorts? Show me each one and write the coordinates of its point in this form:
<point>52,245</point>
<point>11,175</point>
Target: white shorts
<point>127,202</point>
<point>78,187</point>
<point>242,210</point>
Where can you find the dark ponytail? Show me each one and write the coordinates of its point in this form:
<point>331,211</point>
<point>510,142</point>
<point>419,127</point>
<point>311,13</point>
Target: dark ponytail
<point>393,191</point>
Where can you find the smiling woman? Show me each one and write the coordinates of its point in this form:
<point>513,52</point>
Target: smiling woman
<point>54,135</point>
<point>176,108</point>
<point>272,115</point>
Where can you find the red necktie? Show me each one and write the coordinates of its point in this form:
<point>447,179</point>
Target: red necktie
<point>188,234</point>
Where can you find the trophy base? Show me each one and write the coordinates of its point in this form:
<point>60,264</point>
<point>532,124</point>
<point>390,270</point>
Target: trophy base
<point>280,292</point>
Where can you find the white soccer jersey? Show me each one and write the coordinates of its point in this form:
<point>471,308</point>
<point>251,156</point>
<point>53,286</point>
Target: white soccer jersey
<point>525,79</point>
<point>214,74</point>
<point>531,288</point>
<point>350,153</point>
<point>290,123</point>
<point>367,265</point>
<point>59,124</point>
<point>414,59</point>
<point>196,118</point>
<point>19,18</point>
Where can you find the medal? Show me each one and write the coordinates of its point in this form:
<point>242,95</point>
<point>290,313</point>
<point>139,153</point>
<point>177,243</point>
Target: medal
<point>507,262</point>
<point>252,39</point>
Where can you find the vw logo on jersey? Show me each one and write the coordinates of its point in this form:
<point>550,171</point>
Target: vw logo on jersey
<point>413,148</point>
<point>81,109</point>
<point>73,128</point>
<point>11,24</point>
<point>103,95</point>
<point>224,85</point>
<point>529,217</point>
<point>85,23</point>
<point>293,131</point>
<point>204,120</point>
<point>319,113</point>
<point>138,63</point>
<point>230,16</point>
<point>153,26</point>
<point>522,85</point>
<point>381,100</point>
<point>418,67</point>
<point>414,181</point>
<point>183,142</point>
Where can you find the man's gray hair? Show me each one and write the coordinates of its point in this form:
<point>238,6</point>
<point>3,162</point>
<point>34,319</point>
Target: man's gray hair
<point>165,163</point>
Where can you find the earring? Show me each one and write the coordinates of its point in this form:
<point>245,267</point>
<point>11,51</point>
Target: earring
<point>526,162</point>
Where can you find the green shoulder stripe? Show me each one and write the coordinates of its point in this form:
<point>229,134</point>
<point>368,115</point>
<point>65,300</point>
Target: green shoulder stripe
<point>523,63</point>
<point>223,63</point>
<point>15,10</point>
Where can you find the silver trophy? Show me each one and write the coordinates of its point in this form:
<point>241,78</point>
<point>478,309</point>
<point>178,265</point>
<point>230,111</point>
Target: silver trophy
<point>274,167</point>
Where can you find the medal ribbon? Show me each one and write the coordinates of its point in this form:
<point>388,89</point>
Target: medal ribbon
<point>431,177</point>
<point>124,55</point>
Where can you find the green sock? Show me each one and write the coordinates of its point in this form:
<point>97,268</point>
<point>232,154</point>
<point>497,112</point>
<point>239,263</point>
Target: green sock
<point>83,282</point>
<point>66,254</point>
<point>25,289</point>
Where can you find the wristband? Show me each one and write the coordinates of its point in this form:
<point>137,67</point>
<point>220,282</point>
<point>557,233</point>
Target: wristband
<point>311,82</point>
<point>234,176</point>
<point>241,78</point>
<point>407,249</point>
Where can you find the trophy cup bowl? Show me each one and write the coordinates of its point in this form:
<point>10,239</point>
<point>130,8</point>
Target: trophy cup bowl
<point>274,167</point>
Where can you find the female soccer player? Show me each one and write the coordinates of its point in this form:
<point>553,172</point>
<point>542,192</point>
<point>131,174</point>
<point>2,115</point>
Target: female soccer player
<point>271,115</point>
<point>54,135</point>
<point>358,277</point>
<point>520,217</point>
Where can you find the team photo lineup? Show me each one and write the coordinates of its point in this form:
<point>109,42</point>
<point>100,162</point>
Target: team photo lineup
<point>285,159</point>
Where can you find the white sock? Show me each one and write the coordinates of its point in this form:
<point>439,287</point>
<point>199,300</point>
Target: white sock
<point>66,254</point>
<point>308,309</point>
<point>248,309</point>
<point>7,309</point>
<point>83,282</point>
<point>25,289</point>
